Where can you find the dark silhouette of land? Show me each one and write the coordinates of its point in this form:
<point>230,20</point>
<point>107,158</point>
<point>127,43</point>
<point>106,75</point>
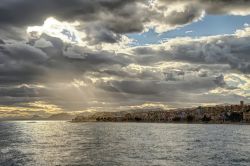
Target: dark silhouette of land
<point>207,114</point>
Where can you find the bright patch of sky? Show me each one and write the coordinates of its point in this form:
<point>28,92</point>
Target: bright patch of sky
<point>208,26</point>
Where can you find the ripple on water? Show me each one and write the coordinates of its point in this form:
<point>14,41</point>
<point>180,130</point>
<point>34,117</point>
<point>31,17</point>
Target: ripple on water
<point>64,143</point>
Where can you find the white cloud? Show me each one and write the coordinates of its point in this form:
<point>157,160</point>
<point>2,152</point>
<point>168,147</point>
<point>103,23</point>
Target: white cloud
<point>69,34</point>
<point>65,31</point>
<point>189,31</point>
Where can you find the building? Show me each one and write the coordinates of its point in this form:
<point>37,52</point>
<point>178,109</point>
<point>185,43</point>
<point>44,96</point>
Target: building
<point>242,103</point>
<point>246,116</point>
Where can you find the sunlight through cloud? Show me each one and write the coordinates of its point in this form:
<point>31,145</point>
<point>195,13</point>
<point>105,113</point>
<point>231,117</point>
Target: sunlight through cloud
<point>52,27</point>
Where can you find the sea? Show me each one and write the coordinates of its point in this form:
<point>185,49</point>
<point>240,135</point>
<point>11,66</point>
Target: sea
<point>123,144</point>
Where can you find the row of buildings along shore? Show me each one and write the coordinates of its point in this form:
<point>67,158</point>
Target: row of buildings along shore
<point>208,114</point>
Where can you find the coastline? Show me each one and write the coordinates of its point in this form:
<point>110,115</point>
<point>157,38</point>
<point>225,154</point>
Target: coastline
<point>210,123</point>
<point>218,114</point>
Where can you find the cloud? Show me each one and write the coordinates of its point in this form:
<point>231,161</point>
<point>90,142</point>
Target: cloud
<point>76,55</point>
<point>110,15</point>
<point>189,32</point>
<point>174,75</point>
<point>13,11</point>
<point>107,20</point>
<point>72,76</point>
<point>161,87</point>
<point>21,91</point>
<point>232,7</point>
<point>203,73</point>
<point>222,49</point>
<point>52,64</point>
<point>21,62</point>
<point>219,80</point>
<point>165,15</point>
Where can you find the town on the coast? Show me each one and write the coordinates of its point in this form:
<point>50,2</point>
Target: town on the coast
<point>238,113</point>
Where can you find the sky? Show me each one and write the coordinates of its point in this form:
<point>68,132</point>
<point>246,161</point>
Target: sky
<point>111,55</point>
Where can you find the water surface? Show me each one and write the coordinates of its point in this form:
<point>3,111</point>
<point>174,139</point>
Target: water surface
<point>65,143</point>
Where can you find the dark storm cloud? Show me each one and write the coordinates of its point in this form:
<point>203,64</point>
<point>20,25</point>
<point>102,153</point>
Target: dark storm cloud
<point>118,16</point>
<point>60,62</point>
<point>97,34</point>
<point>79,77</point>
<point>67,64</point>
<point>24,63</point>
<point>30,12</point>
<point>187,91</point>
<point>189,14</point>
<point>120,73</point>
<point>112,17</point>
<point>226,49</point>
<point>174,75</point>
<point>22,91</point>
<point>20,62</point>
<point>82,55</point>
<point>162,88</point>
<point>239,7</point>
<point>219,80</point>
<point>169,15</point>
<point>2,42</point>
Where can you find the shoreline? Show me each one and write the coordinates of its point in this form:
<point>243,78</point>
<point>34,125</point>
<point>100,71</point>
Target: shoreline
<point>93,121</point>
<point>210,123</point>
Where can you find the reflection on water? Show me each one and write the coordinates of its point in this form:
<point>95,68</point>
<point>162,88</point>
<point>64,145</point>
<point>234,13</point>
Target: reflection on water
<point>64,143</point>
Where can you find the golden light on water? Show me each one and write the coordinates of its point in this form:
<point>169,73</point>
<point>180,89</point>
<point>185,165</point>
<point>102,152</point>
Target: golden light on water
<point>30,109</point>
